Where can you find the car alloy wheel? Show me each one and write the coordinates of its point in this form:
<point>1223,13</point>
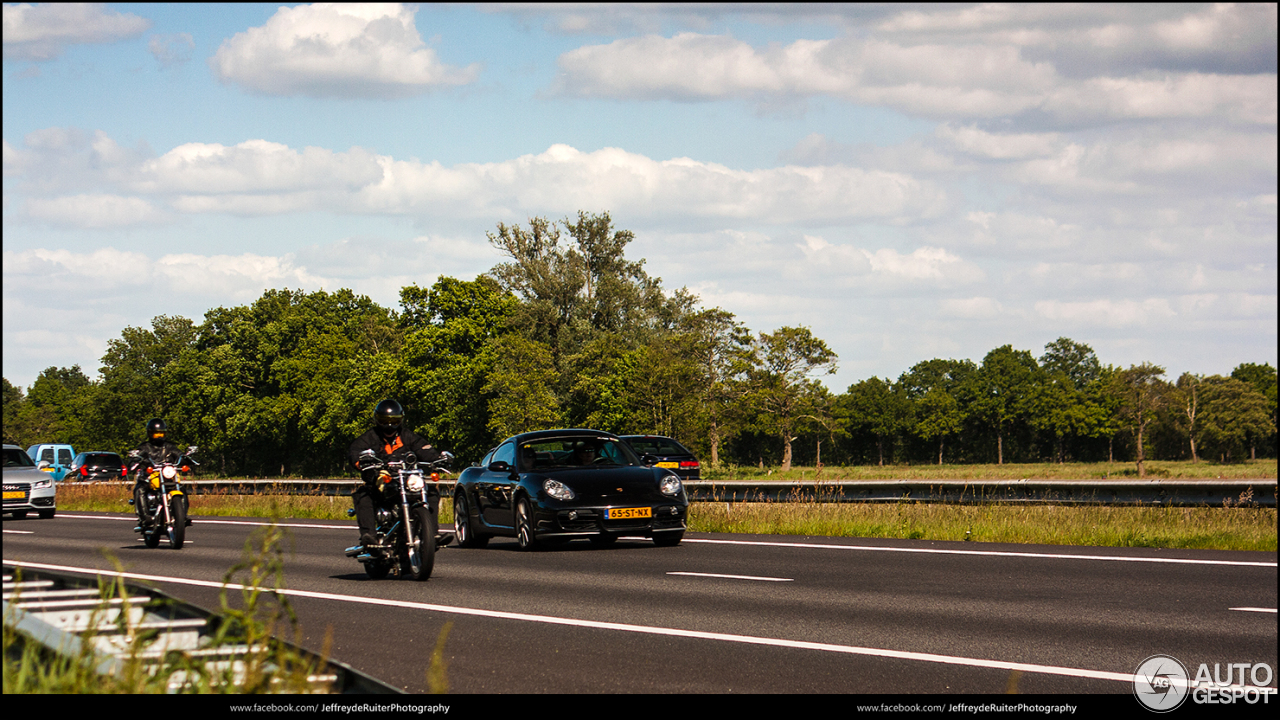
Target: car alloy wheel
<point>524,526</point>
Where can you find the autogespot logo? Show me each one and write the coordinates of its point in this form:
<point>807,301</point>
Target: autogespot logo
<point>1160,683</point>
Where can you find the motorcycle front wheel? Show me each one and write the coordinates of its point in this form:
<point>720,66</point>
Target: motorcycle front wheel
<point>177,513</point>
<point>419,560</point>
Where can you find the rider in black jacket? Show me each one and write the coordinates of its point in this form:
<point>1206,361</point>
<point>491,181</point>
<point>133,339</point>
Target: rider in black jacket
<point>388,439</point>
<point>155,450</point>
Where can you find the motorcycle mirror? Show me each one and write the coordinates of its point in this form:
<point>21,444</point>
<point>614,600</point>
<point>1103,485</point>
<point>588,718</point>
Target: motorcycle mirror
<point>191,449</point>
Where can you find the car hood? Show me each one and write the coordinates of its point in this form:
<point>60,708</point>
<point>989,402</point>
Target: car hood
<point>24,474</point>
<point>606,482</point>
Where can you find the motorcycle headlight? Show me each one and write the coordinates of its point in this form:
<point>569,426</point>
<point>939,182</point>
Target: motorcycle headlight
<point>557,490</point>
<point>669,485</point>
<point>415,482</point>
<point>169,472</point>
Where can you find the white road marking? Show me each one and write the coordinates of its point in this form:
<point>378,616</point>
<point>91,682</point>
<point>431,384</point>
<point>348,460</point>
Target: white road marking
<point>20,532</point>
<point>197,520</point>
<point>992,553</point>
<point>733,577</point>
<point>821,546</point>
<point>1252,609</point>
<point>623,627</point>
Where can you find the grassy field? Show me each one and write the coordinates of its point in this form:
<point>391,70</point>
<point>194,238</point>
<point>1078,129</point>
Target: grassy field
<point>1232,528</point>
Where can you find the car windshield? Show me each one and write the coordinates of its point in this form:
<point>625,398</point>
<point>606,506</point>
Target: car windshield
<point>573,452</point>
<point>15,457</point>
<point>658,446</point>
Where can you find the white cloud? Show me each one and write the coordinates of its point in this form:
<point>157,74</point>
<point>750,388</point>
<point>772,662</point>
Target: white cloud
<point>336,50</point>
<point>1106,312</point>
<point>95,211</point>
<point>42,32</point>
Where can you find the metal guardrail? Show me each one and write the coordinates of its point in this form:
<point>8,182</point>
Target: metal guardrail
<point>1175,493</point>
<point>68,615</point>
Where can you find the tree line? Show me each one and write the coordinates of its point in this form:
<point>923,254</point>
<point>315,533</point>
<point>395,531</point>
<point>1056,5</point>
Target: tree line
<point>567,332</point>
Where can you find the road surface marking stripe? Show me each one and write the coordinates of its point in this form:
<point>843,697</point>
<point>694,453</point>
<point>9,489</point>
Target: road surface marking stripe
<point>994,553</point>
<point>1251,609</point>
<point>823,546</point>
<point>733,577</point>
<point>645,629</point>
<point>198,520</point>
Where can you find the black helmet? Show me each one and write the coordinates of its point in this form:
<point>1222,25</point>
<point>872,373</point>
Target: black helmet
<point>388,416</point>
<point>156,429</point>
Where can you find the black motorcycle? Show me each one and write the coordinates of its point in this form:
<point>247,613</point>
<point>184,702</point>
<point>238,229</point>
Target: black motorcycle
<point>408,532</point>
<point>159,498</point>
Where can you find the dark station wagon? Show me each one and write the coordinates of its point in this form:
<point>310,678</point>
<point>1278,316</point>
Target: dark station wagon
<point>96,466</point>
<point>668,453</point>
<point>551,486</point>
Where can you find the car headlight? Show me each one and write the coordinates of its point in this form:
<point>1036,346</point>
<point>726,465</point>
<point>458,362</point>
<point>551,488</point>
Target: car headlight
<point>557,490</point>
<point>669,485</point>
<point>42,484</point>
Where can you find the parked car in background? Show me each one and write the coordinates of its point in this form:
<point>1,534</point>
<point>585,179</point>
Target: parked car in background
<point>669,453</point>
<point>551,486</point>
<point>57,456</point>
<point>96,465</point>
<point>26,488</point>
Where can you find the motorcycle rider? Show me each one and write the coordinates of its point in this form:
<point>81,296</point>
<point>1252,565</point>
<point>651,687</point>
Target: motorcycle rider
<point>155,450</point>
<point>388,439</point>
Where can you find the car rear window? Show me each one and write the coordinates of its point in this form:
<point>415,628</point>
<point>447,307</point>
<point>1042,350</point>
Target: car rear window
<point>102,460</point>
<point>658,446</point>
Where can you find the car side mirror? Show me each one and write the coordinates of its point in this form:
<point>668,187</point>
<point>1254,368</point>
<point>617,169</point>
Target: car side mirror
<point>44,464</point>
<point>499,466</point>
<point>649,460</point>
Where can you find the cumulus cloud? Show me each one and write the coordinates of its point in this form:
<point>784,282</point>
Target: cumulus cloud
<point>42,32</point>
<point>336,50</point>
<point>95,211</point>
<point>979,63</point>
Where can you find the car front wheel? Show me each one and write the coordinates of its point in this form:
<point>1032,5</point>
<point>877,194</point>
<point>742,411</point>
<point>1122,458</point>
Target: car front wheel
<point>524,526</point>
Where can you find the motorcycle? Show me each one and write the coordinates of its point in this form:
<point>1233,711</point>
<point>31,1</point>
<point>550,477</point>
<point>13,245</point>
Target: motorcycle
<point>160,500</point>
<point>408,531</point>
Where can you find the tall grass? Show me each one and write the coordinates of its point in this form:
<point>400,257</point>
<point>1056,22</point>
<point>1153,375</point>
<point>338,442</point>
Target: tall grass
<point>1234,528</point>
<point>262,614</point>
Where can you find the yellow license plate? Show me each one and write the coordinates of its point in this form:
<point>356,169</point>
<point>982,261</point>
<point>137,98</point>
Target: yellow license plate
<point>669,465</point>
<point>11,495</point>
<point>628,513</point>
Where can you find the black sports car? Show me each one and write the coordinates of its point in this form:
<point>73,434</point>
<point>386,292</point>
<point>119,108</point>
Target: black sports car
<point>552,486</point>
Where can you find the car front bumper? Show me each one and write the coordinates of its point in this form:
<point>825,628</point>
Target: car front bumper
<point>23,496</point>
<point>591,521</point>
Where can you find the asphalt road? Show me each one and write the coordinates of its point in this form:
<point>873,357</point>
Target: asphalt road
<point>729,613</point>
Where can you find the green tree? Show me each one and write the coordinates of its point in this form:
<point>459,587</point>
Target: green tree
<point>784,393</point>
<point>520,384</point>
<point>1142,393</point>
<point>939,392</point>
<point>1004,390</point>
<point>1263,379</point>
<point>878,406</point>
<point>1233,412</point>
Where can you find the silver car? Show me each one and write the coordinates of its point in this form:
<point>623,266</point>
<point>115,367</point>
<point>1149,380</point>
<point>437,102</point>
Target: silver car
<point>25,487</point>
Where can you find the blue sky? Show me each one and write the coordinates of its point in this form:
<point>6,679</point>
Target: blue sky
<point>908,181</point>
